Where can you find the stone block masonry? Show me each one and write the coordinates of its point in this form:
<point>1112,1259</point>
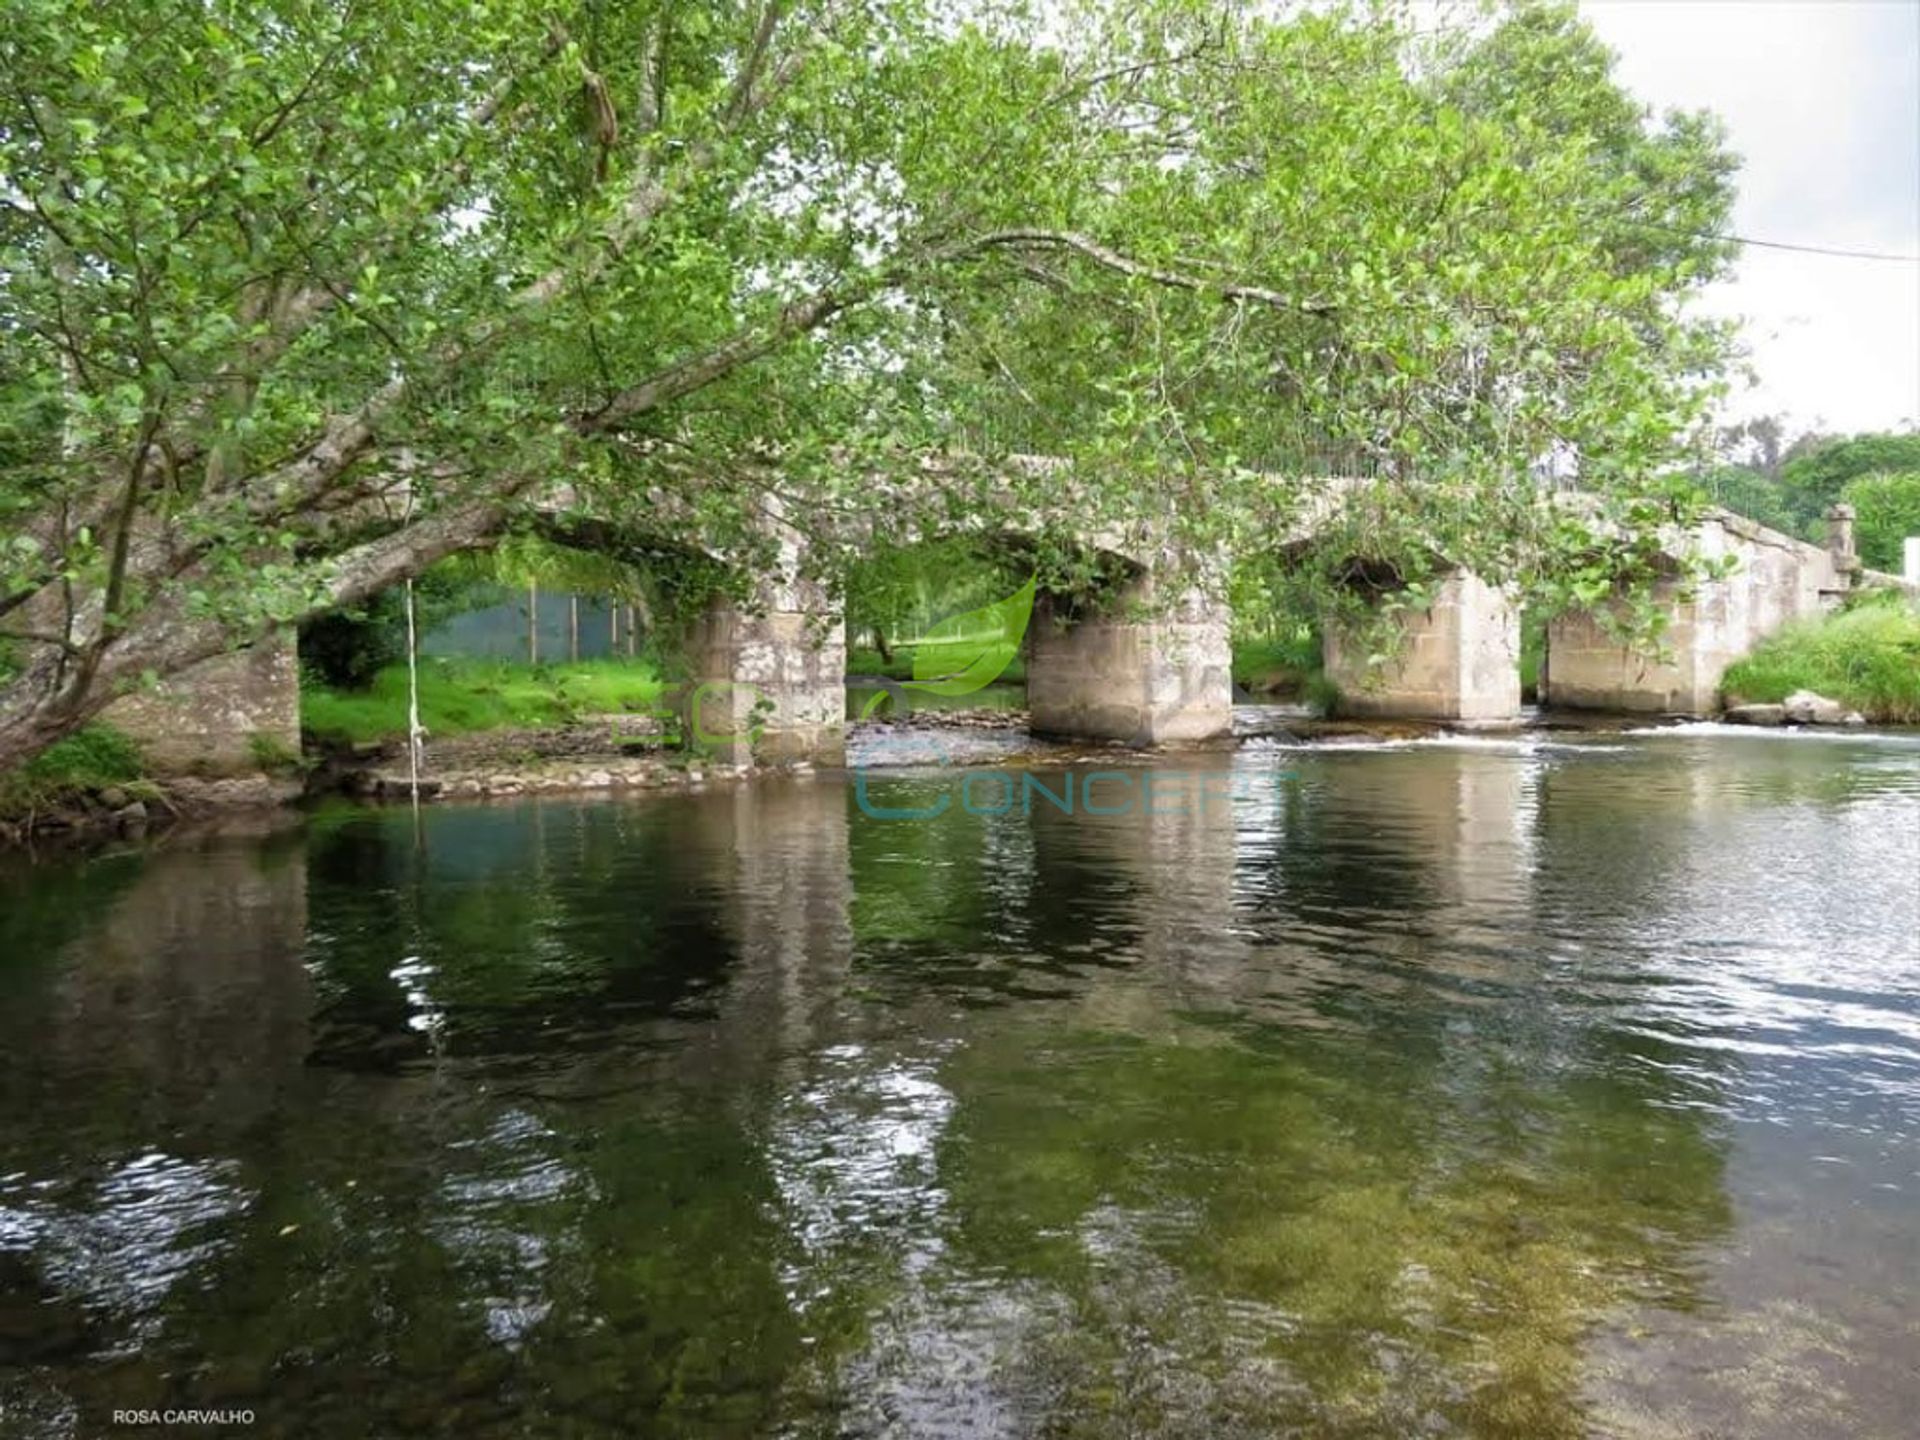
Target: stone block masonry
<point>1773,579</point>
<point>1145,667</point>
<point>234,714</point>
<point>1457,660</point>
<point>766,686</point>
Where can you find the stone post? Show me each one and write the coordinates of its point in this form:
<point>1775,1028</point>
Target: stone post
<point>1910,560</point>
<point>1846,560</point>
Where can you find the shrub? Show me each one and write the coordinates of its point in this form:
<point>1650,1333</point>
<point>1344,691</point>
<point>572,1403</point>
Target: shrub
<point>271,753</point>
<point>1321,695</point>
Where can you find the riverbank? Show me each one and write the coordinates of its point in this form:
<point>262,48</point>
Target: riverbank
<point>603,752</point>
<point>92,790</point>
<point>1867,658</point>
<point>93,787</point>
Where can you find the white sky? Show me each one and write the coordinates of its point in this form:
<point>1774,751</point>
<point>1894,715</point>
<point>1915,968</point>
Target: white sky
<point>1822,98</point>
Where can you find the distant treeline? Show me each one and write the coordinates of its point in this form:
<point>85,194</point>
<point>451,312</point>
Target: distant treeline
<point>1789,485</point>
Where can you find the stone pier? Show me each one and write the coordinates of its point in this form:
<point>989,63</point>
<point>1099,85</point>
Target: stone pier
<point>1771,579</point>
<point>767,674</point>
<point>766,685</point>
<point>1457,660</point>
<point>1142,665</point>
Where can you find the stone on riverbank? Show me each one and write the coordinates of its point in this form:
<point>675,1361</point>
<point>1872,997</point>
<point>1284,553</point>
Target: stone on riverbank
<point>1756,715</point>
<point>1804,707</point>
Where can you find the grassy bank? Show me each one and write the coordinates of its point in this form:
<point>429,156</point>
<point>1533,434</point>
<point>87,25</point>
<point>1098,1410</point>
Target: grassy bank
<point>458,697</point>
<point>1867,658</point>
<point>94,759</point>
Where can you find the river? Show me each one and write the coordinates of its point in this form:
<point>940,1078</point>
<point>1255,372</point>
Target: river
<point>1509,1087</point>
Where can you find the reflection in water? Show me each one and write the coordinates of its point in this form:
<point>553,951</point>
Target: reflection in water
<point>1496,1088</point>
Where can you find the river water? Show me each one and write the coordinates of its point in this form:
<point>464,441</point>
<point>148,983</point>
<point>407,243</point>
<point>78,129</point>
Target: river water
<point>1522,1087</point>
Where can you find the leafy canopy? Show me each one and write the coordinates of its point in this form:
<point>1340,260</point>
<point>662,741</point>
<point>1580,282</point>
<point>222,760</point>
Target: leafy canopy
<point>297,299</point>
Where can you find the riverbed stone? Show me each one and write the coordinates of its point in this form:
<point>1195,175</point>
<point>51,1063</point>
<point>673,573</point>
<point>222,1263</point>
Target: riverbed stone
<point>1804,707</point>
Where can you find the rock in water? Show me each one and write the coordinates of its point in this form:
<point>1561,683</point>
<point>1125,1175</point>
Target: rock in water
<point>1803,707</point>
<point>1756,715</point>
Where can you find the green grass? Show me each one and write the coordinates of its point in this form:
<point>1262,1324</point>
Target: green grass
<point>1867,658</point>
<point>458,697</point>
<point>90,759</point>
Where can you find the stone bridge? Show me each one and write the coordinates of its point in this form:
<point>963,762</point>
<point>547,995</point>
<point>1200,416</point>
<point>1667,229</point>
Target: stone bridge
<point>1146,662</point>
<point>1149,661</point>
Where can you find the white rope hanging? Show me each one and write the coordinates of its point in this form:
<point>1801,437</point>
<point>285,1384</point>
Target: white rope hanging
<point>414,732</point>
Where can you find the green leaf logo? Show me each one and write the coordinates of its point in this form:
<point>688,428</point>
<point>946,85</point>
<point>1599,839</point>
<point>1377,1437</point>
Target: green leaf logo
<point>965,652</point>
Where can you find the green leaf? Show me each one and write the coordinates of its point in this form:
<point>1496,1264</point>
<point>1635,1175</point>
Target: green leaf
<point>969,651</point>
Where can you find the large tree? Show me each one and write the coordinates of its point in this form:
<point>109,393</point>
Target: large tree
<point>300,297</point>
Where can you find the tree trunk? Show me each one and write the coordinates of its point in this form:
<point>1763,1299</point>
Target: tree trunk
<point>880,644</point>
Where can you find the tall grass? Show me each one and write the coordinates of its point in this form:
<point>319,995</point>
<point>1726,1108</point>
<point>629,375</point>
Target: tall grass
<point>1867,657</point>
<point>458,697</point>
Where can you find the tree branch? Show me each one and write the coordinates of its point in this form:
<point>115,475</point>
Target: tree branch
<point>1111,259</point>
<point>695,372</point>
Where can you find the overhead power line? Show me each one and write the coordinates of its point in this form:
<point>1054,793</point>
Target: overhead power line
<point>1828,250</point>
<point>1788,245</point>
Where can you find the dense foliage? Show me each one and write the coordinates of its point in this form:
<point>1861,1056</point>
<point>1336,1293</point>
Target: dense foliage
<point>347,646</point>
<point>299,298</point>
<point>93,758</point>
<point>1886,508</point>
<point>1790,486</point>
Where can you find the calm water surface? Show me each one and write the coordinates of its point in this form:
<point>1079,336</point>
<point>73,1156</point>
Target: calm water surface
<point>1507,1088</point>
